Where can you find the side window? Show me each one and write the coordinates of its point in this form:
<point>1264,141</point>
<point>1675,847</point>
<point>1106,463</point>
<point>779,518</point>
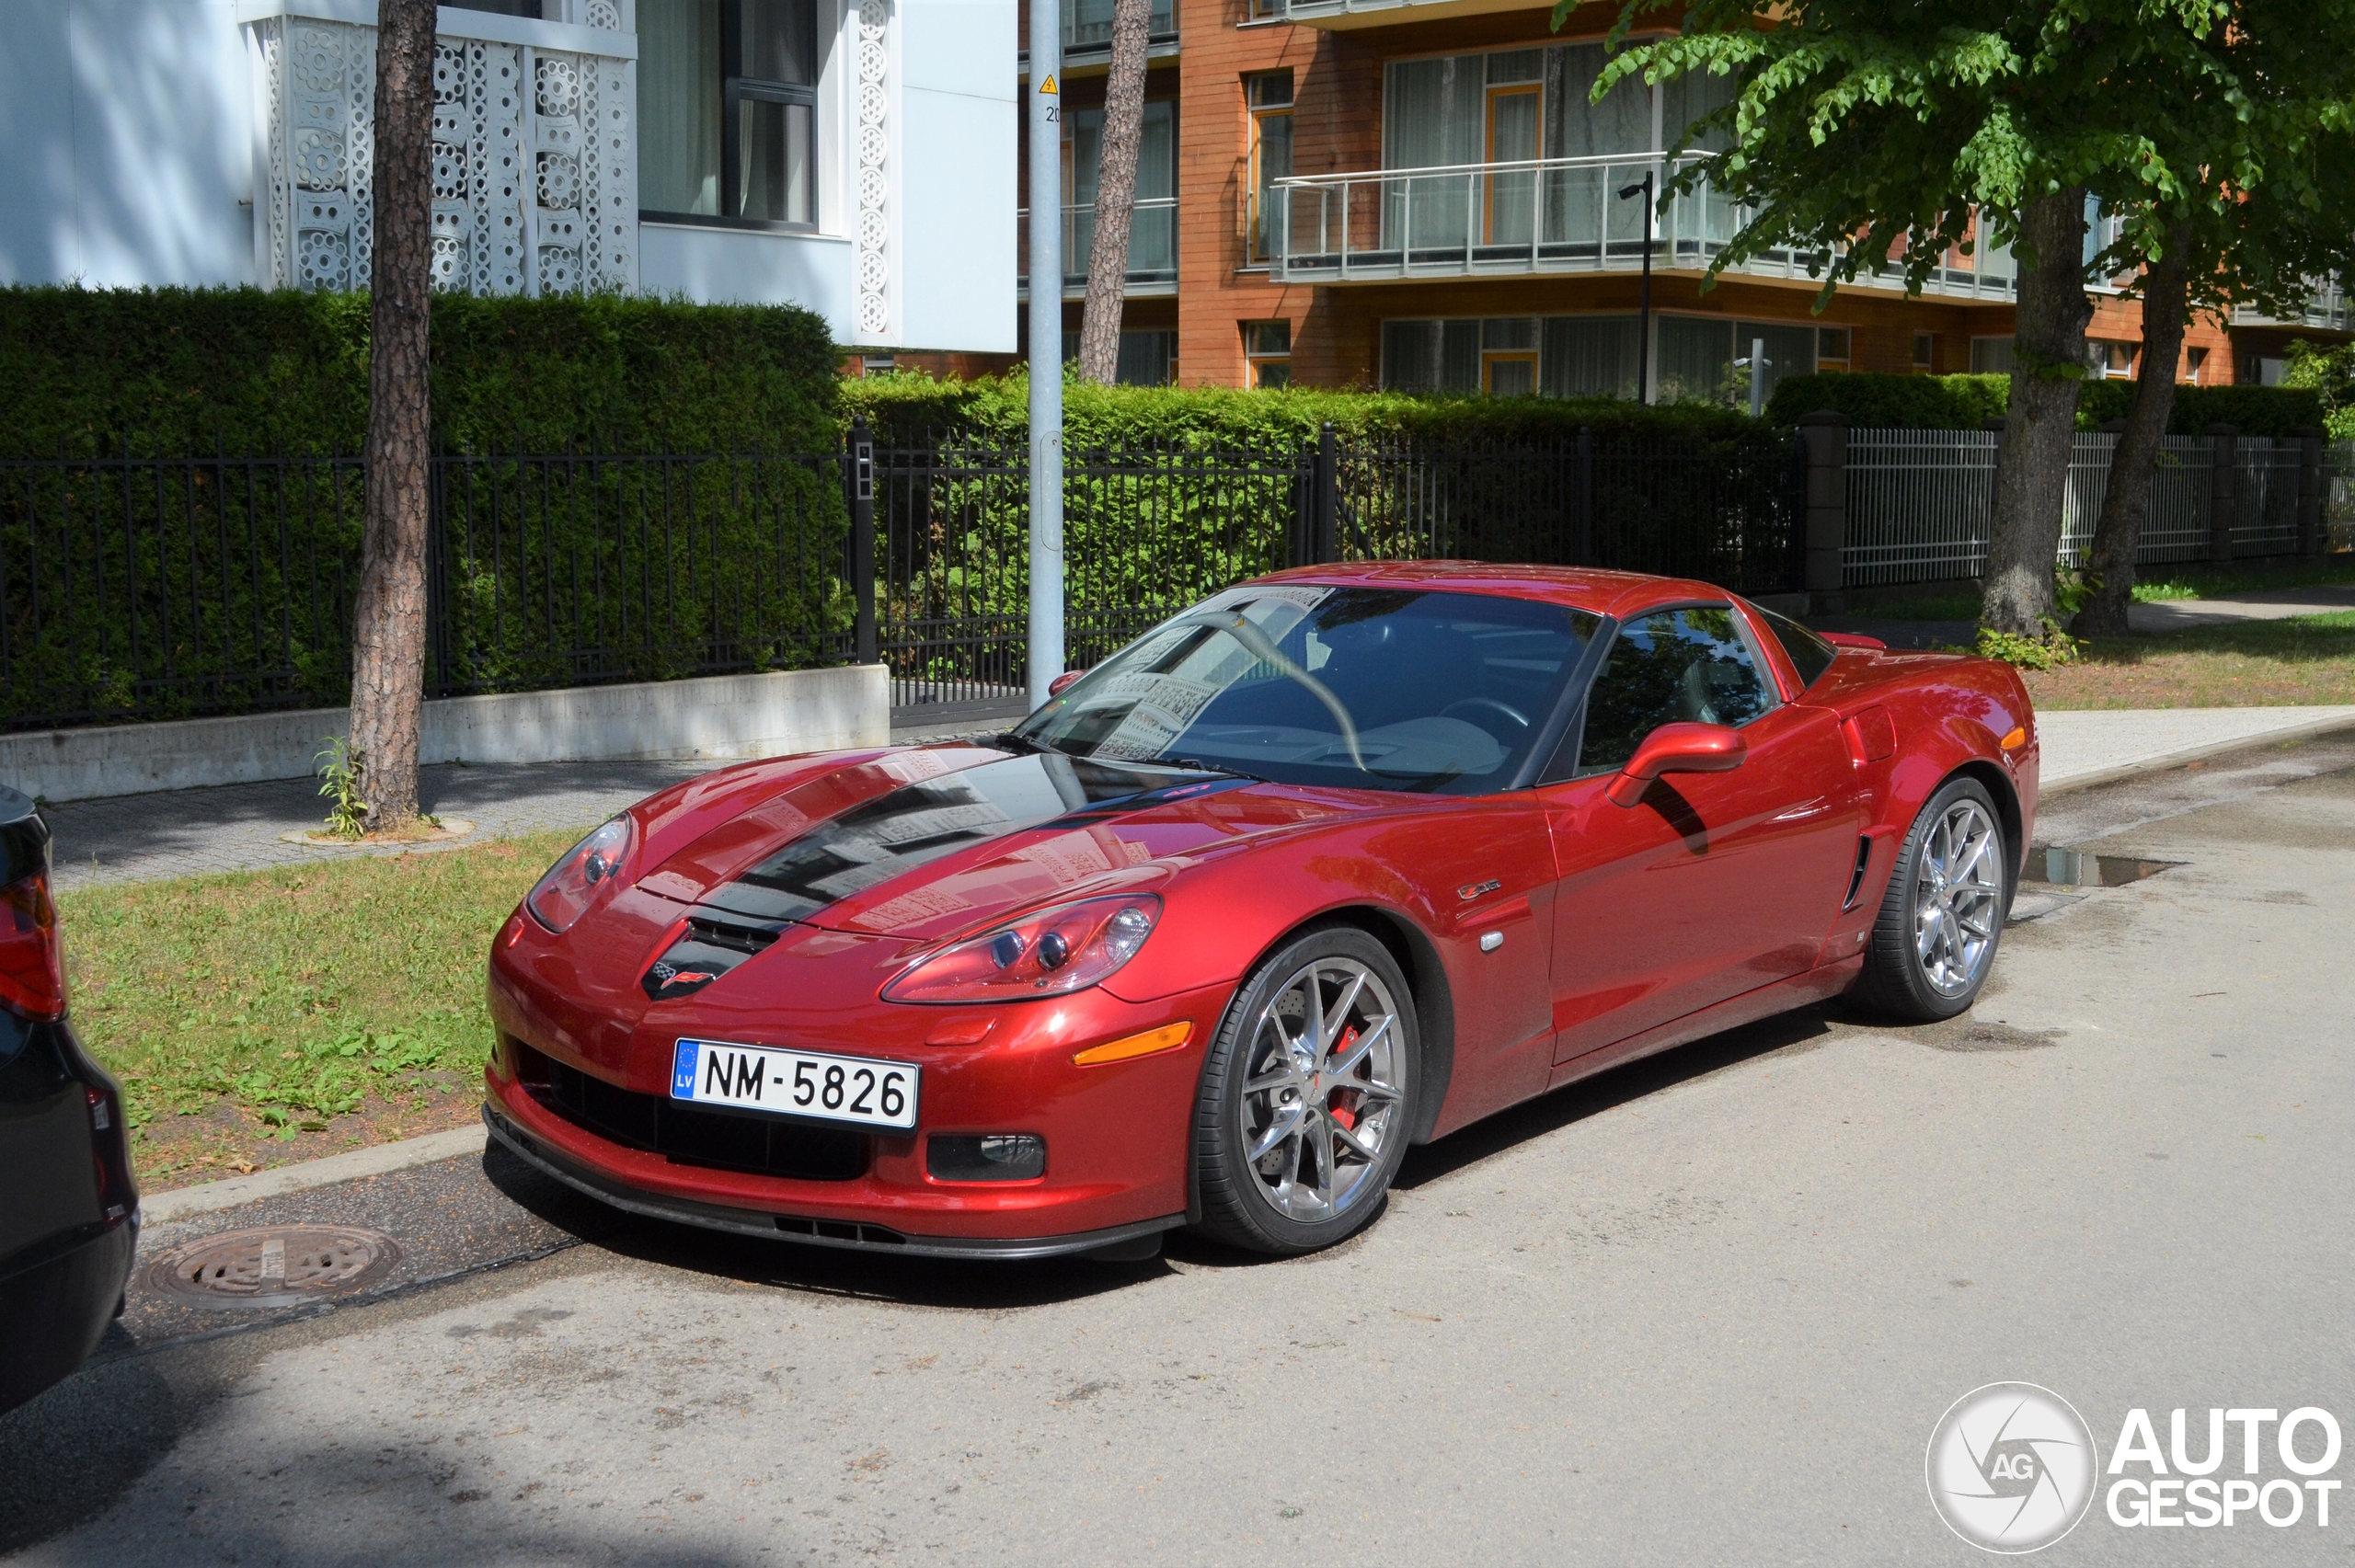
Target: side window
<point>1809,653</point>
<point>1670,665</point>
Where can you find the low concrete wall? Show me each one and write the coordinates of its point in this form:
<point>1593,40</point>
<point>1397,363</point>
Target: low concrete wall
<point>720,717</point>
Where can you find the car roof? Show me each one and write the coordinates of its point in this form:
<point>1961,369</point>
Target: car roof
<point>1591,588</point>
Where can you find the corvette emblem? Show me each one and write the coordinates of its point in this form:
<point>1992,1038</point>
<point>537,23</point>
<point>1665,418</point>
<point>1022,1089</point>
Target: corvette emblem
<point>1472,891</point>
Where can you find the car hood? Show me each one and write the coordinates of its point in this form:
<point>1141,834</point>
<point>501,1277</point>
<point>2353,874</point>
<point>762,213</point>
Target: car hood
<point>927,843</point>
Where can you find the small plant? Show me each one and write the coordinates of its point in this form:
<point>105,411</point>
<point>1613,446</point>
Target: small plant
<point>2054,649</point>
<point>340,784</point>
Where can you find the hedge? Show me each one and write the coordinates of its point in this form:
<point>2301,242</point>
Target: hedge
<point>170,371</point>
<point>1967,402</point>
<point>909,406</point>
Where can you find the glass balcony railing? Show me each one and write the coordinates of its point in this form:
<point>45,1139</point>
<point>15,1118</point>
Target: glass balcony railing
<point>1087,23</point>
<point>1542,215</point>
<point>2325,308</point>
<point>1152,242</point>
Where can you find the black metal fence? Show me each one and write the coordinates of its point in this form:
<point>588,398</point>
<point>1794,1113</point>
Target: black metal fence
<point>139,588</point>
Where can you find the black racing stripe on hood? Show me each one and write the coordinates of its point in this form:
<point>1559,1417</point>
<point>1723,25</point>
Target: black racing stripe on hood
<point>895,832</point>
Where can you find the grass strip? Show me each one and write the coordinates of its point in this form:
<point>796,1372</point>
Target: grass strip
<point>245,1014</point>
<point>2308,660</point>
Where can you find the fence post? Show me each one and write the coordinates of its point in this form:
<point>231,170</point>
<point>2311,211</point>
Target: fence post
<point>1582,543</point>
<point>2222,489</point>
<point>862,537</point>
<point>2310,440</point>
<point>1328,497</point>
<point>1825,433</point>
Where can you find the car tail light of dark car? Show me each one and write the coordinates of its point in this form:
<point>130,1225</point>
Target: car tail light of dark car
<point>32,967</point>
<point>111,1147</point>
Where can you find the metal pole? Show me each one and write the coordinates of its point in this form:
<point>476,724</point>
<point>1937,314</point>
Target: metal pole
<point>1757,377</point>
<point>1644,342</point>
<point>1046,350</point>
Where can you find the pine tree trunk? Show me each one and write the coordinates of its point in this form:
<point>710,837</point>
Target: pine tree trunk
<point>1116,192</point>
<point>389,622</point>
<point>2048,363</point>
<point>2134,466</point>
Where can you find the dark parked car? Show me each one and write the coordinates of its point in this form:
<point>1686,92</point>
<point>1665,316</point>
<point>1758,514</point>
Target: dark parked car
<point>69,1214</point>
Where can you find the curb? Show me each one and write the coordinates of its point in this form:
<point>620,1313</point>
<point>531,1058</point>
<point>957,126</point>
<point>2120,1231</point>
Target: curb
<point>2193,754</point>
<point>211,1197</point>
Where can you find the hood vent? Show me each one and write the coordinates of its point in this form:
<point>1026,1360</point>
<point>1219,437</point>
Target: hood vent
<point>713,943</point>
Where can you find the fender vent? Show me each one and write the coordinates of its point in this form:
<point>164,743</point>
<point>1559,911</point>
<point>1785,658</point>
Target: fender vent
<point>1857,878</point>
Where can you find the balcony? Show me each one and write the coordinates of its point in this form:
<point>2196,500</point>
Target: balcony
<point>2324,310</point>
<point>1544,215</point>
<point>1341,14</point>
<point>1153,247</point>
<point>1087,35</point>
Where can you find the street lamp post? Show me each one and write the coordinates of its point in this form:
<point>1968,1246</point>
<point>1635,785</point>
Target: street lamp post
<point>1644,332</point>
<point>1046,639</point>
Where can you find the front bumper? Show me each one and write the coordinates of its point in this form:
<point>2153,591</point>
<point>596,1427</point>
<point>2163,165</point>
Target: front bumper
<point>1136,1240</point>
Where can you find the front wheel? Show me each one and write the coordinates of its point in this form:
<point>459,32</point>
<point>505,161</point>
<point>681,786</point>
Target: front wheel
<point>1307,1096</point>
<point>1943,914</point>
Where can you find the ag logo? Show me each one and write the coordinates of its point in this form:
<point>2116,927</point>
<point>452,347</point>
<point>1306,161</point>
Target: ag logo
<point>2011,1467</point>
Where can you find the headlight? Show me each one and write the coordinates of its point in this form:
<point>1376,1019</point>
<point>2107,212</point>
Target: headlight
<point>564,895</point>
<point>1051,951</point>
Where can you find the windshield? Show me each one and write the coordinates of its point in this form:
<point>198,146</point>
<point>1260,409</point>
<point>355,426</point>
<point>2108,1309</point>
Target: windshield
<point>1360,687</point>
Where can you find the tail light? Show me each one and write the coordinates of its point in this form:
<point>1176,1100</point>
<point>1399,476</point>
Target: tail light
<point>572,884</point>
<point>1051,951</point>
<point>32,966</point>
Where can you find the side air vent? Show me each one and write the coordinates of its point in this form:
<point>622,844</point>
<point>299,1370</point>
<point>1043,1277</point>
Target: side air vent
<point>1856,878</point>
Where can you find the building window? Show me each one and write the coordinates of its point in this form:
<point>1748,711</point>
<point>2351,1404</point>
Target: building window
<point>1832,348</point>
<point>500,7</point>
<point>727,109</point>
<point>1087,23</point>
<point>2195,362</point>
<point>1269,98</point>
<point>1267,352</point>
<point>1991,356</point>
<point>1711,360</point>
<point>1926,352</point>
<point>2110,358</point>
<point>1509,357</point>
<point>1153,221</point>
<point>1589,356</point>
<point>1148,356</point>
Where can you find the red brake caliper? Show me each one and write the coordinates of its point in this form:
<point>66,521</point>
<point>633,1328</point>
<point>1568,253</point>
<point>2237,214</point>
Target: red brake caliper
<point>1345,1116</point>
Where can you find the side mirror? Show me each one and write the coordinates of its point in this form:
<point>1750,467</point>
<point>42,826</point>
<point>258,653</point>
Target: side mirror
<point>1677,749</point>
<point>1061,684</point>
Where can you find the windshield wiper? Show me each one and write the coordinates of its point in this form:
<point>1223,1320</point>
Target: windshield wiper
<point>1198,765</point>
<point>1016,741</point>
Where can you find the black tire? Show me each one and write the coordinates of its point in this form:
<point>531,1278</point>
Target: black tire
<point>1960,922</point>
<point>1257,1071</point>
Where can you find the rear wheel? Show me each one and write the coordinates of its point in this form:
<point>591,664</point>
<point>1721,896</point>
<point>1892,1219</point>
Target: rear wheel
<point>1943,915</point>
<point>1307,1095</point>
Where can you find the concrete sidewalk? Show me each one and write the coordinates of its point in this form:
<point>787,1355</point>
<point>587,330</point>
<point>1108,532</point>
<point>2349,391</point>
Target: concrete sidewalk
<point>2091,746</point>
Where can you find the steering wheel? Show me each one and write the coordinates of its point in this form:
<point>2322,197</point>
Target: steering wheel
<point>1508,710</point>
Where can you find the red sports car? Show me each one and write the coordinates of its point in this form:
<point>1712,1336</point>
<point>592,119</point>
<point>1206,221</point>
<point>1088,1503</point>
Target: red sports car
<point>1335,862</point>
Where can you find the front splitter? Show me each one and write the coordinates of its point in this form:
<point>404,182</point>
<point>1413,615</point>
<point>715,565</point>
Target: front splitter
<point>1121,1243</point>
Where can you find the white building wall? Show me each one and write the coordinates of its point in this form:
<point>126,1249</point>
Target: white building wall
<point>125,143</point>
<point>958,107</point>
<point>127,138</point>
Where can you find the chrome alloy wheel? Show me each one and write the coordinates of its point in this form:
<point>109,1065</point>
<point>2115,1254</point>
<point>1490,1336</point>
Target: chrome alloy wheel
<point>1320,1089</point>
<point>1958,898</point>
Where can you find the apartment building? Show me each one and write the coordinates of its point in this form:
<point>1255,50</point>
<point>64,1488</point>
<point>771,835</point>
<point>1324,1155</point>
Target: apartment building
<point>855,157</point>
<point>1420,194</point>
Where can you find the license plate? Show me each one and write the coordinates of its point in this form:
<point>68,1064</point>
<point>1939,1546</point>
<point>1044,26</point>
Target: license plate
<point>800,1083</point>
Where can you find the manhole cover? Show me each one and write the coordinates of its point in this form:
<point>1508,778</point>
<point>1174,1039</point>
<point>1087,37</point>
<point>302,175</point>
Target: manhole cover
<point>277,1266</point>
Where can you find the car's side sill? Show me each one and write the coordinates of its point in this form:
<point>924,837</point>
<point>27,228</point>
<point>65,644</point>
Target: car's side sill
<point>1119,1243</point>
<point>1812,985</point>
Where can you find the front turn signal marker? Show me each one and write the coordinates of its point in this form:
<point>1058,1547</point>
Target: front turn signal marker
<point>2014,740</point>
<point>1168,1038</point>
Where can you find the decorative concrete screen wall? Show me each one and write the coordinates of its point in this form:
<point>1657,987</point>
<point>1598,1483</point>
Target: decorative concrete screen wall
<point>535,148</point>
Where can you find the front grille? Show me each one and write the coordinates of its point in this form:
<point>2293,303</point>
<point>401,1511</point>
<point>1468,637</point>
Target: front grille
<point>689,1135</point>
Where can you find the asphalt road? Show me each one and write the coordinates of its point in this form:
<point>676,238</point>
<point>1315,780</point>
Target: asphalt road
<point>1706,1310</point>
